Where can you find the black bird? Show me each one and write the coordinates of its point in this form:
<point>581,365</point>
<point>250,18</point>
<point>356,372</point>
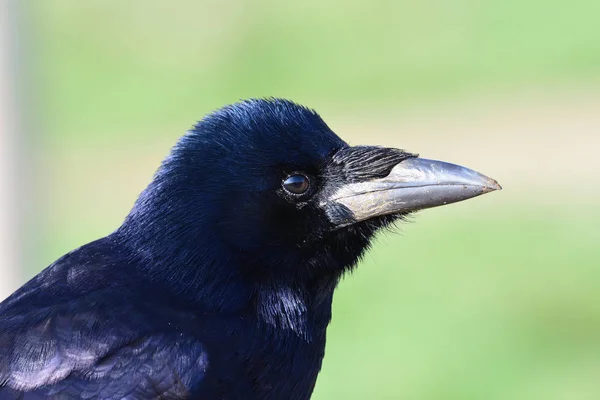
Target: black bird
<point>219,283</point>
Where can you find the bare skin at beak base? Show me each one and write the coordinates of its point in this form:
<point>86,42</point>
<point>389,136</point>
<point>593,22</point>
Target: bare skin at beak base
<point>413,184</point>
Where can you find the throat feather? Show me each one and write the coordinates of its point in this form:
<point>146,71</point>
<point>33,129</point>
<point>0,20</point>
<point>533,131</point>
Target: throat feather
<point>285,309</point>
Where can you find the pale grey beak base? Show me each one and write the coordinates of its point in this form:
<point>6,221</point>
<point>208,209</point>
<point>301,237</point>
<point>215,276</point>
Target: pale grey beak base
<point>413,184</point>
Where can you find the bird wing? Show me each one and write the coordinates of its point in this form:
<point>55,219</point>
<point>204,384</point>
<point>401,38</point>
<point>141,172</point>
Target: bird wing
<point>70,334</point>
<point>151,367</point>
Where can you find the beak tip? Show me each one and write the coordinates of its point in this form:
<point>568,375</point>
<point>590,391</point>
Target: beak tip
<point>492,185</point>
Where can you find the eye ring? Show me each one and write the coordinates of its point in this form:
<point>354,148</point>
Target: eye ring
<point>296,184</point>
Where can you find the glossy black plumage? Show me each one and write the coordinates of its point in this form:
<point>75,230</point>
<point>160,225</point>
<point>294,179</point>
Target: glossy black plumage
<point>219,283</point>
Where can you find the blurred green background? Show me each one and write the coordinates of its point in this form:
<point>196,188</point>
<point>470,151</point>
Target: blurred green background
<point>494,298</point>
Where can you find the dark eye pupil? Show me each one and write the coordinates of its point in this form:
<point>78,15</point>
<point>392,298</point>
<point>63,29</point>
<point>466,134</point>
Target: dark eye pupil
<point>296,184</point>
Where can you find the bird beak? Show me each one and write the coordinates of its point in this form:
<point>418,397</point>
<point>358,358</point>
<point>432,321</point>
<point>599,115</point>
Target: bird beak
<point>413,184</point>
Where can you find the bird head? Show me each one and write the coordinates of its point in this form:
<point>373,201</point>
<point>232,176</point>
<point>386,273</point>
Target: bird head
<point>266,185</point>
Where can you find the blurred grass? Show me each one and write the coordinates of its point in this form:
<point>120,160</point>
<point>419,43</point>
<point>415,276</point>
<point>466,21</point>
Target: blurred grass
<point>111,67</point>
<point>490,299</point>
<point>471,305</point>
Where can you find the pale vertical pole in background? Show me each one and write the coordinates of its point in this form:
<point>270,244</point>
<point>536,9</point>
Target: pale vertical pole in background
<point>10,262</point>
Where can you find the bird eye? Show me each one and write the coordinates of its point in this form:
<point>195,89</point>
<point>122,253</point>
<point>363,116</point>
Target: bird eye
<point>296,184</point>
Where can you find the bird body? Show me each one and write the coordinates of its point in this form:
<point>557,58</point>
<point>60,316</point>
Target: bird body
<point>92,326</point>
<point>219,283</point>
